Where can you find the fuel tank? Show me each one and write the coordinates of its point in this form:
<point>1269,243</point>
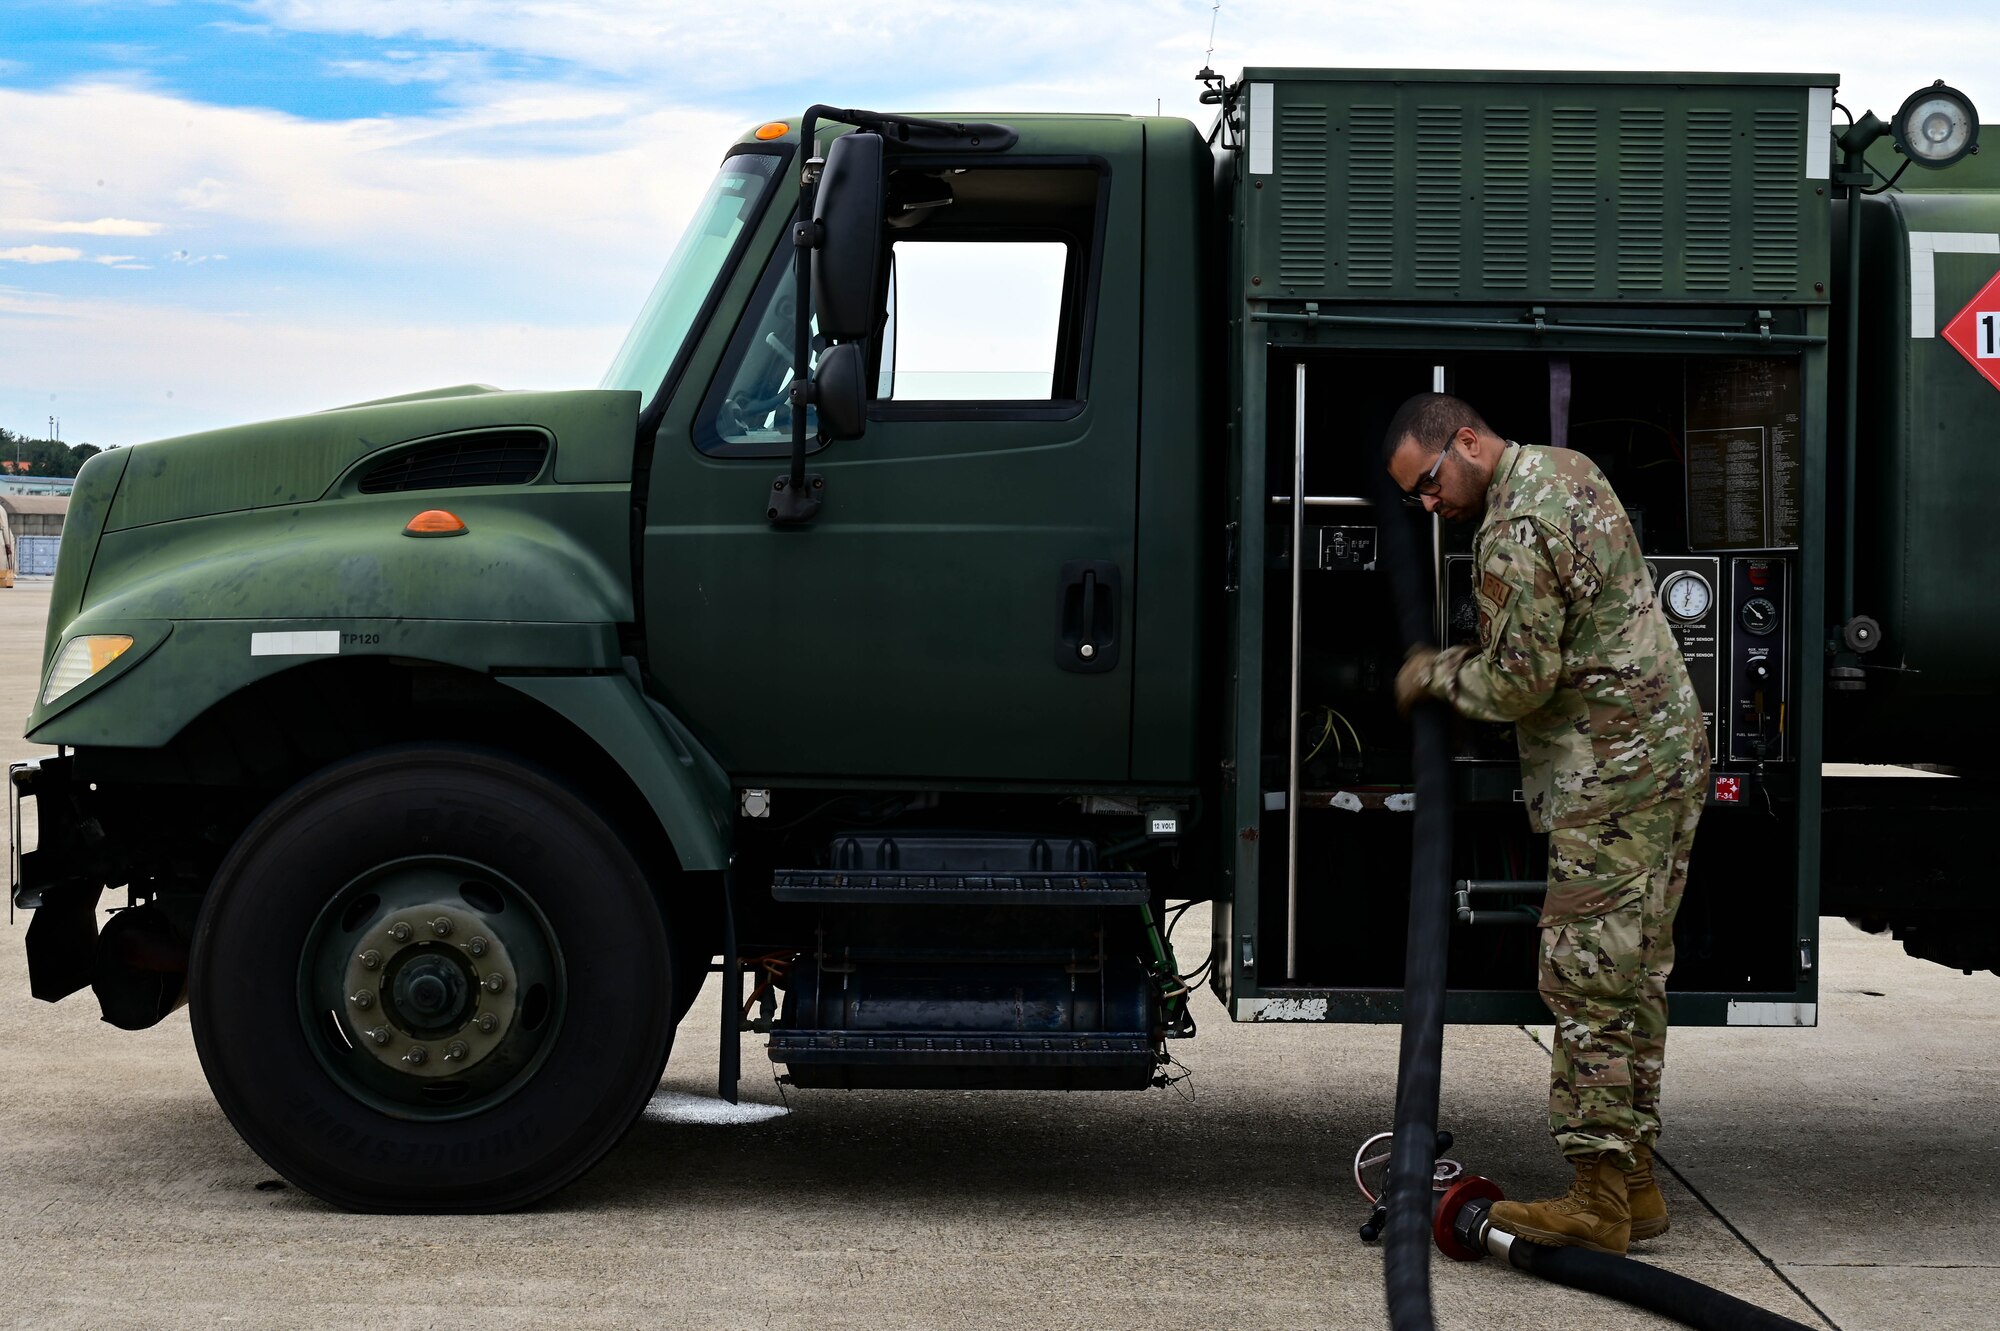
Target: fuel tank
<point>1927,539</point>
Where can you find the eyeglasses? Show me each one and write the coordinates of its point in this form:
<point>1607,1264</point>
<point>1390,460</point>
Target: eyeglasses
<point>1430,484</point>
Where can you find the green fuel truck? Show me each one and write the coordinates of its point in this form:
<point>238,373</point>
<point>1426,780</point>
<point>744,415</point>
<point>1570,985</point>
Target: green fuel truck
<point>970,560</point>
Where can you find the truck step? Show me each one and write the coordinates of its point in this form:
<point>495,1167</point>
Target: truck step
<point>963,1049</point>
<point>1040,888</point>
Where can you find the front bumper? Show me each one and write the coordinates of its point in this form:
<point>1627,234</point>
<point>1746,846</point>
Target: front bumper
<point>69,842</point>
<point>60,880</point>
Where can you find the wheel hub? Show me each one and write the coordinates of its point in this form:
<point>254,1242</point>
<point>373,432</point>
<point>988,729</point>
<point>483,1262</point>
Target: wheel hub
<point>433,992</point>
<point>430,992</point>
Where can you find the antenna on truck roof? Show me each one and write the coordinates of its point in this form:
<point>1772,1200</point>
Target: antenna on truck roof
<point>1212,81</point>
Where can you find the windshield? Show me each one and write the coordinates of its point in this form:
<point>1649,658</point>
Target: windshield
<point>705,246</point>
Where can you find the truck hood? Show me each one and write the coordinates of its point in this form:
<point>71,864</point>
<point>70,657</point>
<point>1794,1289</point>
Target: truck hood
<point>298,459</point>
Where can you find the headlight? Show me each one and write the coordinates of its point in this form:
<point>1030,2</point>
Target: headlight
<point>81,658</point>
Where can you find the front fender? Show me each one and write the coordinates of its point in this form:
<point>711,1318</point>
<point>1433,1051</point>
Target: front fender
<point>687,789</point>
<point>144,703</point>
<point>201,662</point>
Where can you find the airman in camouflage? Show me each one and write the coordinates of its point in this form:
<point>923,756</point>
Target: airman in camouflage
<point>1575,650</point>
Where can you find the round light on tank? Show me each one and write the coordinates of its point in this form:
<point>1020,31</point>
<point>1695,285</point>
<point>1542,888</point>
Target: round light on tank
<point>1937,126</point>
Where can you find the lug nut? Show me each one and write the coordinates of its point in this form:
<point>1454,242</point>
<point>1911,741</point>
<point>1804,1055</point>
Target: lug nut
<point>477,947</point>
<point>495,982</point>
<point>455,1051</point>
<point>487,1023</point>
<point>441,926</point>
<point>416,1057</point>
<point>362,999</point>
<point>370,959</point>
<point>380,1035</point>
<point>401,931</point>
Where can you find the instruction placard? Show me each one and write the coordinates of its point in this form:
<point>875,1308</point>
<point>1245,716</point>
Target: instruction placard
<point>1745,453</point>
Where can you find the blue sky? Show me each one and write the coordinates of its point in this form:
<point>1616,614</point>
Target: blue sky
<point>226,210</point>
<point>225,54</point>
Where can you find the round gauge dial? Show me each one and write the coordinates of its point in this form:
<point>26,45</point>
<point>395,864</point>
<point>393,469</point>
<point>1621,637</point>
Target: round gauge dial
<point>1760,616</point>
<point>1688,595</point>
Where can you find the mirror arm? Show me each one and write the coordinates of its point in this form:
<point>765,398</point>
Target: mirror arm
<point>795,496</point>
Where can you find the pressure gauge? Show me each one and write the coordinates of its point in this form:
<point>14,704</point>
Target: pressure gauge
<point>1760,616</point>
<point>1688,595</point>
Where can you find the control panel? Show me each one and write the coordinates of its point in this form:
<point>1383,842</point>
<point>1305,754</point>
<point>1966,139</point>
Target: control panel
<point>1690,595</point>
<point>1759,659</point>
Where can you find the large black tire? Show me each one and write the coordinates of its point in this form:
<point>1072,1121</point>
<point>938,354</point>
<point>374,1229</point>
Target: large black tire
<point>329,1113</point>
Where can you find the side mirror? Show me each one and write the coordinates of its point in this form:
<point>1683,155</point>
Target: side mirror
<point>847,216</point>
<point>840,391</point>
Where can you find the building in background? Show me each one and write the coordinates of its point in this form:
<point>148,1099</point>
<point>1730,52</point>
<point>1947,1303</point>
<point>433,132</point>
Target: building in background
<point>36,485</point>
<point>34,523</point>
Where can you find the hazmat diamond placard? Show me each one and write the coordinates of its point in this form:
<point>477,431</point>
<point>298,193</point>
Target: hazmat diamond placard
<point>1975,331</point>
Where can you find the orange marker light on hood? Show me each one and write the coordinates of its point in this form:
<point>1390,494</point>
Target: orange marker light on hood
<point>435,522</point>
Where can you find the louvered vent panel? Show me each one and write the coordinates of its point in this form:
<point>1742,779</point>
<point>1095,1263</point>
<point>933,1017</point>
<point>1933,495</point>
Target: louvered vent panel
<point>1503,192</point>
<point>1440,240</point>
<point>1642,198</point>
<point>1775,174</point>
<point>1573,199</point>
<point>1706,254</point>
<point>1371,196</point>
<point>1302,195</point>
<point>501,457</point>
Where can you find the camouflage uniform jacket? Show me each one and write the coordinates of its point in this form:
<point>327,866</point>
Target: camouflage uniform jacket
<point>1574,648</point>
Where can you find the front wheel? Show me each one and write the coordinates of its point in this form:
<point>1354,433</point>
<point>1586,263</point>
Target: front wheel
<point>430,979</point>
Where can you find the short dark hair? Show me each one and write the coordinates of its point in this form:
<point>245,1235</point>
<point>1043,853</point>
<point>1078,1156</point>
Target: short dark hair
<point>1431,419</point>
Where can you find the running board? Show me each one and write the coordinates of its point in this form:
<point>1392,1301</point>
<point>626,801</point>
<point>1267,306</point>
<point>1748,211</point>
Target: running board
<point>953,889</point>
<point>952,1049</point>
<point>949,1060</point>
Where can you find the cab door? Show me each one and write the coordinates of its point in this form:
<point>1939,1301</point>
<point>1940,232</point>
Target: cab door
<point>961,606</point>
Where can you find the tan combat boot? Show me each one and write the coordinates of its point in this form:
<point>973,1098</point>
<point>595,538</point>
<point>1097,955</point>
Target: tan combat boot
<point>1648,1207</point>
<point>1593,1214</point>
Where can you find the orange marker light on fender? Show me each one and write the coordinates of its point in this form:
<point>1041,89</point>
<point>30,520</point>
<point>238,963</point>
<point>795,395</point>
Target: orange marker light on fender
<point>435,522</point>
<point>777,129</point>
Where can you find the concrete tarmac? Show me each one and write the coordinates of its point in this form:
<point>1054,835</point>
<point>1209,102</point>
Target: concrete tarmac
<point>1843,1176</point>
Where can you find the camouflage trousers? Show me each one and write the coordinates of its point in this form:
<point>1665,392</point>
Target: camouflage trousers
<point>1607,948</point>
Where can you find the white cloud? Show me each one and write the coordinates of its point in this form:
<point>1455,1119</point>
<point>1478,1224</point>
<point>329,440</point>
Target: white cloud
<point>122,372</point>
<point>115,260</point>
<point>1122,54</point>
<point>103,226</point>
<point>40,254</point>
<point>398,67</point>
<point>541,187</point>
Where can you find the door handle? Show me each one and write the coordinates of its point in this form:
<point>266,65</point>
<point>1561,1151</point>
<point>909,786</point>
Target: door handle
<point>1087,617</point>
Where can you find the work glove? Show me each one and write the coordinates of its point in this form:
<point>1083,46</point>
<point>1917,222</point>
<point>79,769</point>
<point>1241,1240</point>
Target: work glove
<point>1413,679</point>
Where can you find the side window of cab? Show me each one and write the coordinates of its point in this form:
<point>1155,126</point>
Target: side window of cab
<point>987,313</point>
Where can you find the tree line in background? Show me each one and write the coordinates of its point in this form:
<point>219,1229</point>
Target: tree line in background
<point>22,456</point>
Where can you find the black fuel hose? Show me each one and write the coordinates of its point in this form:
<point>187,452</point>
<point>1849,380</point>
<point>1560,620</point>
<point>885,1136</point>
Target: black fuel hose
<point>1688,1302</point>
<point>1406,1258</point>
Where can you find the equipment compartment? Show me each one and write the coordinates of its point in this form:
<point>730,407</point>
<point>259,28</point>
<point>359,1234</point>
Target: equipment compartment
<point>1333,926</point>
